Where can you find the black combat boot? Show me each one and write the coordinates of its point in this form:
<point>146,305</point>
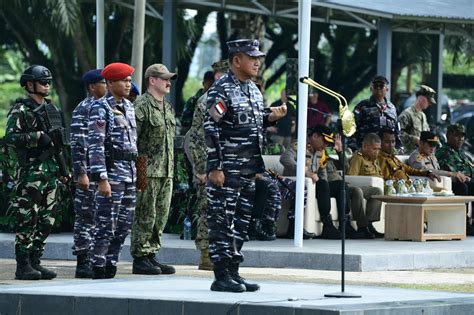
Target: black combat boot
<point>234,274</point>
<point>99,273</point>
<point>223,281</point>
<point>268,228</point>
<point>110,272</point>
<point>165,269</point>
<point>257,231</point>
<point>46,274</point>
<point>143,266</point>
<point>24,271</point>
<point>329,230</point>
<point>83,267</point>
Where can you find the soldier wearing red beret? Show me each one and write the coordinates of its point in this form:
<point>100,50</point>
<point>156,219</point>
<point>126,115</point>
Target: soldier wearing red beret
<point>112,153</point>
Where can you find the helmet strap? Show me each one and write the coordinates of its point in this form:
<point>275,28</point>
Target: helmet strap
<point>34,90</point>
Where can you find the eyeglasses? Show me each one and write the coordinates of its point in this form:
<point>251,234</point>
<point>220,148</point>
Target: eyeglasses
<point>44,82</point>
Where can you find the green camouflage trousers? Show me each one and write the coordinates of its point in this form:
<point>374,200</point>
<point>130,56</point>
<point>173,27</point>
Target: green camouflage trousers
<point>202,236</point>
<point>151,215</point>
<point>35,208</point>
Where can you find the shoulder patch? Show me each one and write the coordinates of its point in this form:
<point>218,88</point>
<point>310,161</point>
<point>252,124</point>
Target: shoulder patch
<point>420,157</point>
<point>218,110</point>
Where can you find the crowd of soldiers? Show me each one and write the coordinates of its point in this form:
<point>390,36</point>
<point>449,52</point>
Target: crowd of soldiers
<point>123,163</point>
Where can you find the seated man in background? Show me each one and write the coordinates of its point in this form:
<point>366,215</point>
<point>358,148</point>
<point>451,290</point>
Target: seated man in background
<point>365,163</point>
<point>391,166</point>
<point>424,158</point>
<point>452,158</point>
<point>319,137</point>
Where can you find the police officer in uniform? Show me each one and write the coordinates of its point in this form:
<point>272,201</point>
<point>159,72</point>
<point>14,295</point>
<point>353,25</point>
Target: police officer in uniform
<point>413,120</point>
<point>234,130</point>
<point>391,166</point>
<point>452,158</point>
<point>35,201</point>
<point>375,114</point>
<point>424,157</point>
<point>112,154</point>
<point>85,190</point>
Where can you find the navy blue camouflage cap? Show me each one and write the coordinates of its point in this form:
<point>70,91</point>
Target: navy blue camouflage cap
<point>92,76</point>
<point>380,79</point>
<point>247,46</point>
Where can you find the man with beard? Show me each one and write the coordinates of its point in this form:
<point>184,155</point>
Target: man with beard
<point>156,128</point>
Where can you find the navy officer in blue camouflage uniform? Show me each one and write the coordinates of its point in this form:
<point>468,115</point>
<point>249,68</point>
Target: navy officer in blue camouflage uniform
<point>234,131</point>
<point>85,189</point>
<point>375,114</point>
<point>112,154</point>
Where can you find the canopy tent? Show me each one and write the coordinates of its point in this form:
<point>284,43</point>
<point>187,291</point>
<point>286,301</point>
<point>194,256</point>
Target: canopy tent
<point>435,17</point>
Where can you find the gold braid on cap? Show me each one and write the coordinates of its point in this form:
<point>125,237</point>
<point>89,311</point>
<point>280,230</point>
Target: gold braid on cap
<point>347,117</point>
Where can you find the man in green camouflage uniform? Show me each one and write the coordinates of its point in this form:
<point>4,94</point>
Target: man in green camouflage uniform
<point>413,120</point>
<point>452,158</point>
<point>35,201</point>
<point>197,155</point>
<point>156,127</point>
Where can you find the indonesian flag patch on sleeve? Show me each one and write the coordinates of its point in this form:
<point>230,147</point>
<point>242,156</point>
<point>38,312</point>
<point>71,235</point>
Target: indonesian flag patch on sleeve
<point>218,110</point>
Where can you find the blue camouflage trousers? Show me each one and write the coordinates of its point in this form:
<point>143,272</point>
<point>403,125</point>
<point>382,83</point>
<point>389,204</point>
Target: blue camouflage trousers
<point>84,207</point>
<point>113,221</point>
<point>277,191</point>
<point>229,212</point>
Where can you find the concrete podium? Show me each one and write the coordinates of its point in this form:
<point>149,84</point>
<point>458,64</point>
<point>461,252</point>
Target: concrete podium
<point>405,217</point>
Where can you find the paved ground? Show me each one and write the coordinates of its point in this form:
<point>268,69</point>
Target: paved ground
<point>456,280</point>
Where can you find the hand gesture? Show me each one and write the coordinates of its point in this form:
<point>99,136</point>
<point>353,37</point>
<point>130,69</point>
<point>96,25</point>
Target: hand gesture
<point>278,112</point>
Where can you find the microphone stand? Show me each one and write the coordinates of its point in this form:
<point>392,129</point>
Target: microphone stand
<point>342,221</point>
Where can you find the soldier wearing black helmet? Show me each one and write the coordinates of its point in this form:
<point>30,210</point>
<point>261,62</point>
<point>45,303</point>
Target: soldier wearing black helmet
<point>27,133</point>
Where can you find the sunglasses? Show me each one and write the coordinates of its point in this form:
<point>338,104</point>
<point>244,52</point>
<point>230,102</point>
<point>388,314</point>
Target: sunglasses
<point>44,82</point>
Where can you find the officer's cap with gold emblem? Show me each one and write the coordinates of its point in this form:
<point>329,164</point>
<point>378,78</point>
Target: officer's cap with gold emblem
<point>425,90</point>
<point>323,131</point>
<point>457,128</point>
<point>429,137</point>
<point>247,46</point>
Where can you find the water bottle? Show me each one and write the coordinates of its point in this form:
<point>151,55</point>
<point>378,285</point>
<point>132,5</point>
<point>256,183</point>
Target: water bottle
<point>187,228</point>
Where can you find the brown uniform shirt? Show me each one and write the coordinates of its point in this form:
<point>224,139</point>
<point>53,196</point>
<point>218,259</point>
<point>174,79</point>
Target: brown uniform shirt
<point>393,168</point>
<point>362,166</point>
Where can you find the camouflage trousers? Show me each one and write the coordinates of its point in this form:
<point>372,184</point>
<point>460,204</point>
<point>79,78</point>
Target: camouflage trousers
<point>113,220</point>
<point>202,236</point>
<point>151,215</point>
<point>84,220</point>
<point>35,207</point>
<point>277,191</point>
<point>229,212</point>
